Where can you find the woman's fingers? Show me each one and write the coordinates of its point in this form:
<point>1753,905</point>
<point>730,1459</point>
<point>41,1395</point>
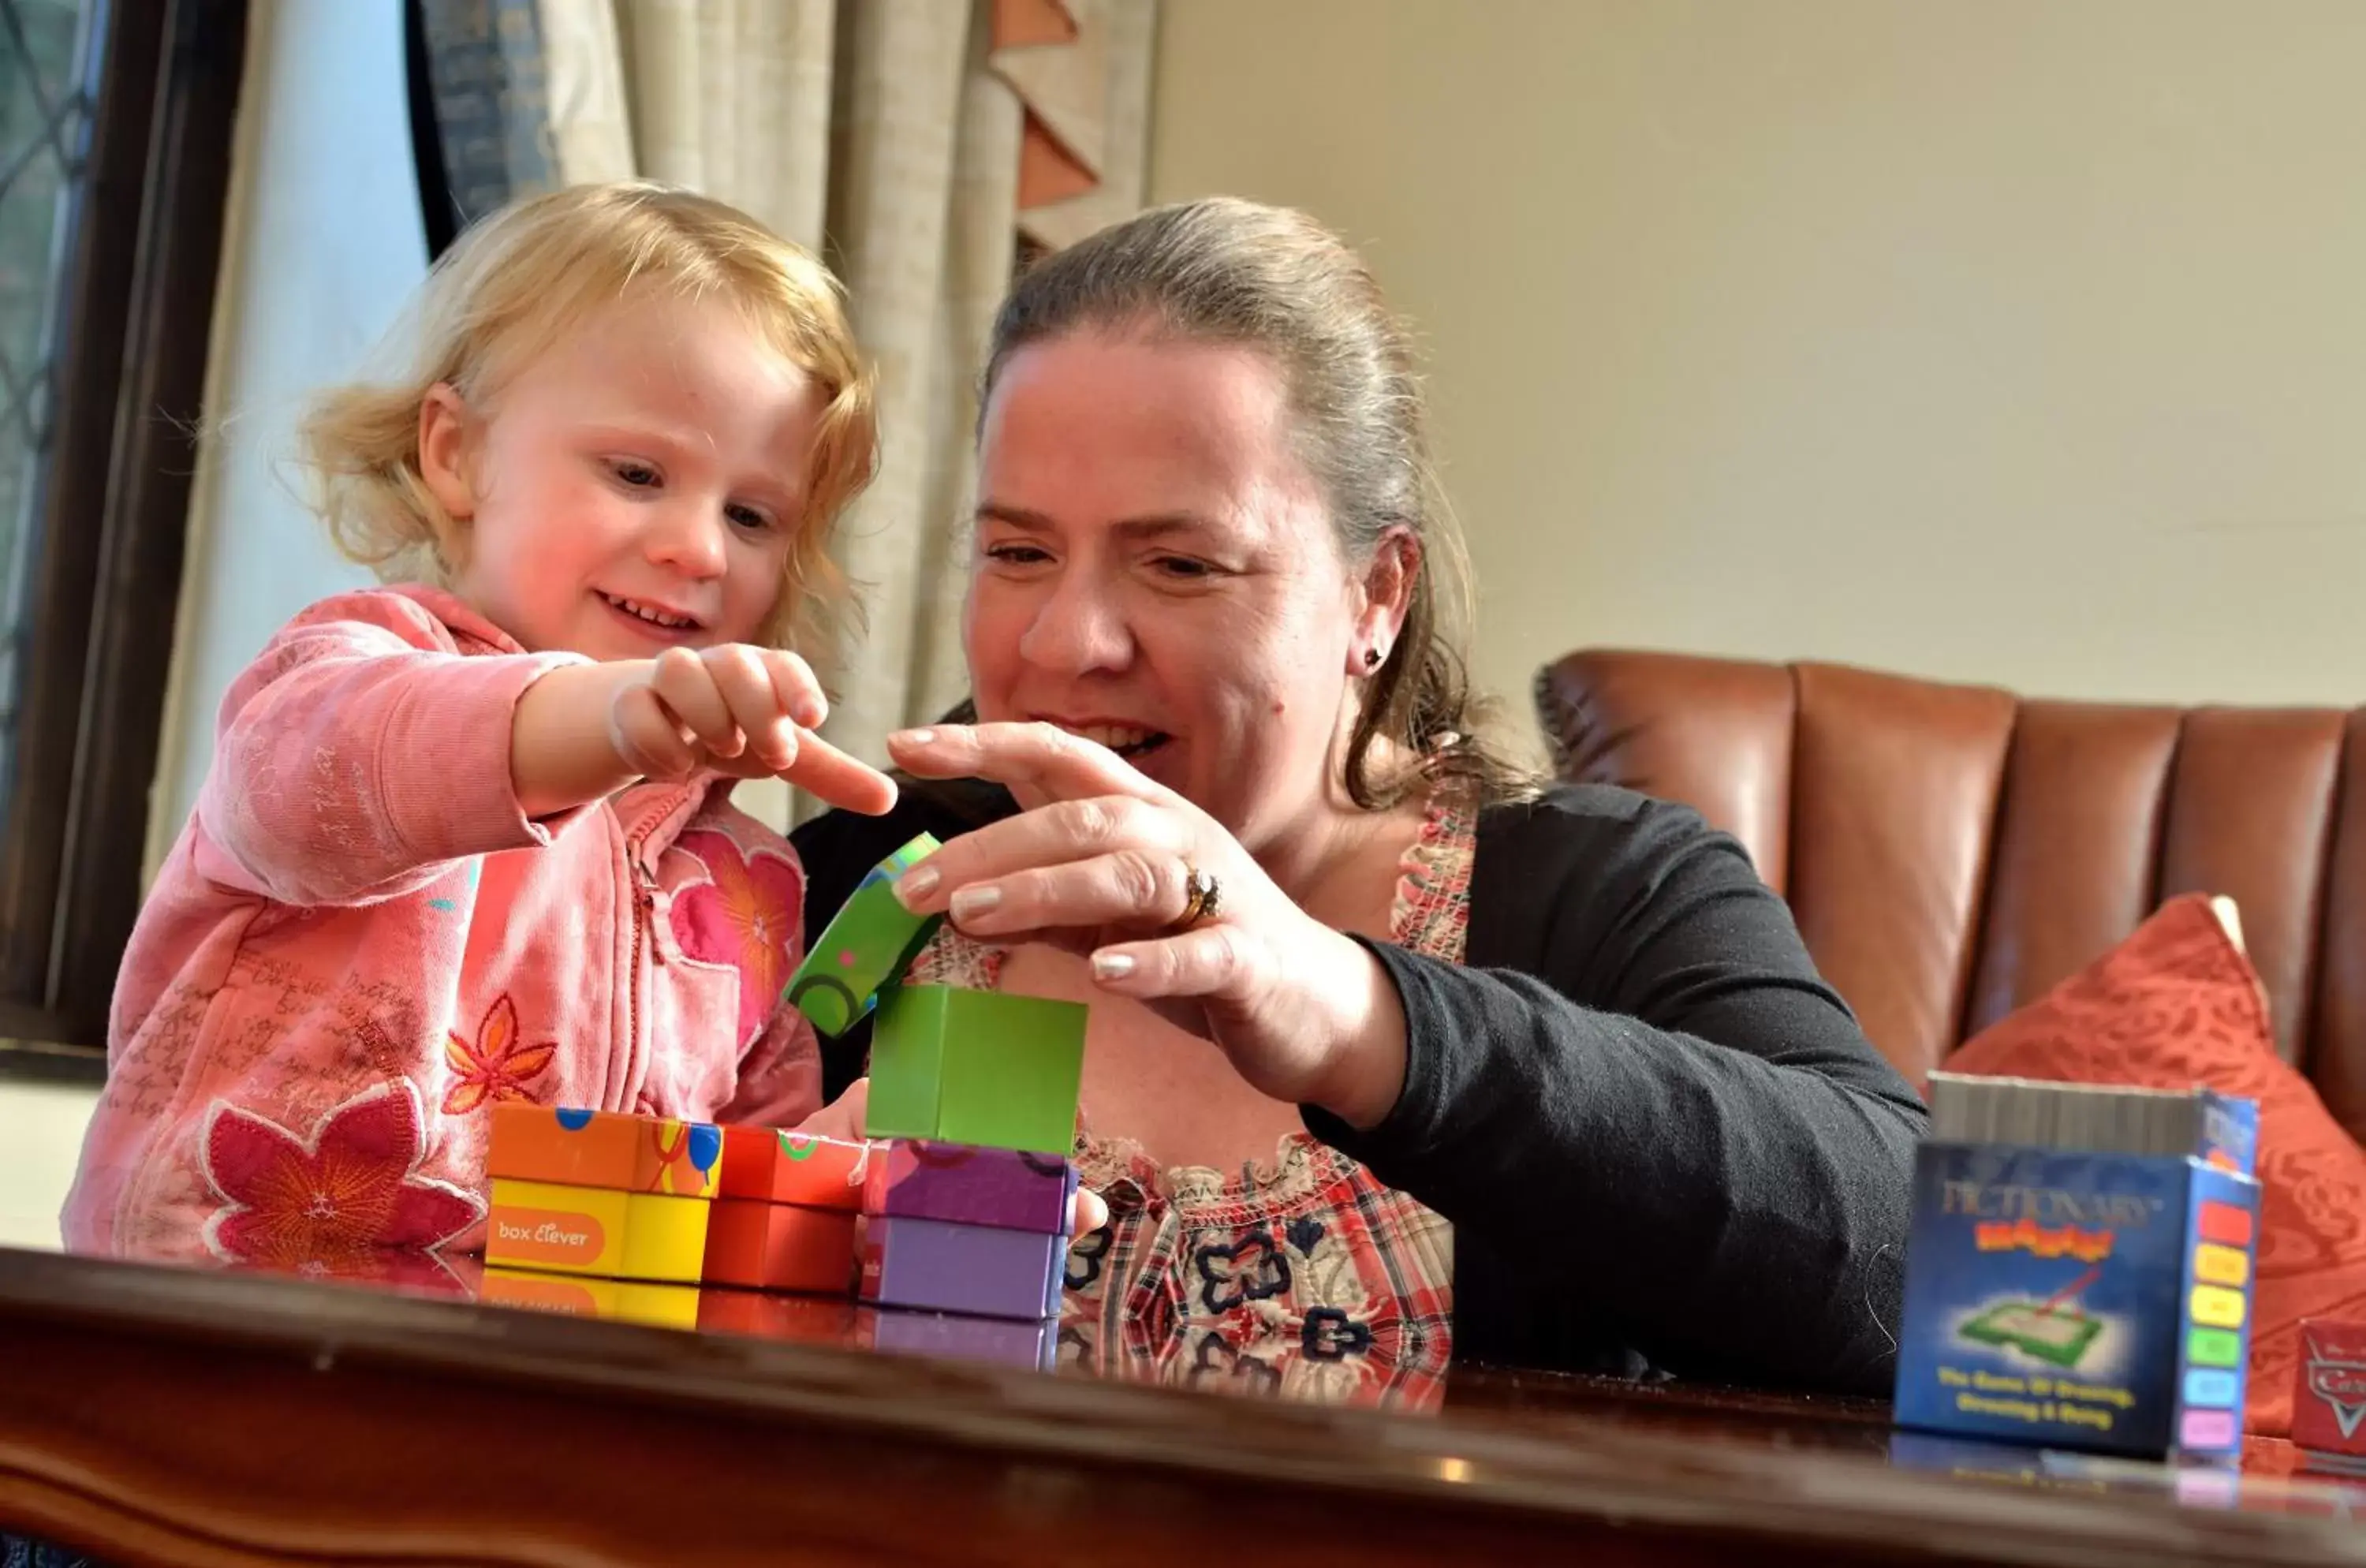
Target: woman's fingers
<point>1124,887</point>
<point>1044,757</point>
<point>1208,961</point>
<point>1155,838</point>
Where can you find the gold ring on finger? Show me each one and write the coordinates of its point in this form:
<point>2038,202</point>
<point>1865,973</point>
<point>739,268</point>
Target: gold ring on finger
<point>1204,895</point>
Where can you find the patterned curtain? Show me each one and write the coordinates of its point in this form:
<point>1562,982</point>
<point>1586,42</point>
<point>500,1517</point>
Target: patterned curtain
<point>922,145</point>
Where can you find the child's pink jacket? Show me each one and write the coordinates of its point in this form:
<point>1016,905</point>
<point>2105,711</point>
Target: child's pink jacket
<point>360,943</point>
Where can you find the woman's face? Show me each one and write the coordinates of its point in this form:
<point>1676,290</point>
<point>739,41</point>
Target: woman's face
<point>1155,570</point>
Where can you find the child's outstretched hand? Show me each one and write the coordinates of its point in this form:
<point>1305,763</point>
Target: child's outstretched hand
<point>582,731</point>
<point>741,710</point>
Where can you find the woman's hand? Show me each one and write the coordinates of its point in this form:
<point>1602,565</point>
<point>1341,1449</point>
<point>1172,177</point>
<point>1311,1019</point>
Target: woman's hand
<point>581,731</point>
<point>1304,1014</point>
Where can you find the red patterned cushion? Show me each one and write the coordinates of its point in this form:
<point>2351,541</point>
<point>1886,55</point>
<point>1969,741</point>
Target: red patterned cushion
<point>2178,1004</point>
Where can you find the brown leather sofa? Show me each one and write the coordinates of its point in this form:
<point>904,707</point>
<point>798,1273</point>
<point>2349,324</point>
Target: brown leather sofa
<point>1952,851</point>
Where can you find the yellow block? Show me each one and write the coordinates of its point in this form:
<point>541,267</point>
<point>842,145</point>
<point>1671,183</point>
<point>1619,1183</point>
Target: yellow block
<point>2222,1264</point>
<point>627,1301</point>
<point>2217,1307</point>
<point>591,1230</point>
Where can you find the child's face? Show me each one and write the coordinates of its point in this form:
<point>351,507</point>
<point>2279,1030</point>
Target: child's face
<point>635,488</point>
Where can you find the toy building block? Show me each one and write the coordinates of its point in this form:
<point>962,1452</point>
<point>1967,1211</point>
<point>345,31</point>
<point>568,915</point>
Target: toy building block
<point>659,1306</point>
<point>982,1068</point>
<point>804,1320</point>
<point>780,1247</point>
<point>865,948</point>
<point>596,1230</point>
<point>981,1269</point>
<point>1002,1342</point>
<point>964,1185</point>
<point>762,1165</point>
<point>600,1148</point>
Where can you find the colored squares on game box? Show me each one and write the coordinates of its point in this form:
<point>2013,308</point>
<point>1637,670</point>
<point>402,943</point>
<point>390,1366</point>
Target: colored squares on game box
<point>780,1247</point>
<point>2214,1347</point>
<point>759,1163</point>
<point>2207,1431</point>
<point>2216,1265</point>
<point>865,947</point>
<point>599,1148</point>
<point>982,1068</point>
<point>624,1301</point>
<point>2215,1306</point>
<point>2227,1225</point>
<point>962,1184</point>
<point>981,1269</point>
<point>592,1230</point>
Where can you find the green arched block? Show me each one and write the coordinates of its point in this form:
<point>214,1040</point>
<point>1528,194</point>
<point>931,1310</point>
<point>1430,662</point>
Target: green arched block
<point>865,948</point>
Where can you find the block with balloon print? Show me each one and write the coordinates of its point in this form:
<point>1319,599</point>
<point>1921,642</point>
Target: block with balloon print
<point>955,1227</point>
<point>600,1193</point>
<point>785,1216</point>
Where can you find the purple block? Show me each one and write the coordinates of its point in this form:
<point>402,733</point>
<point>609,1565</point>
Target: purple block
<point>973,1269</point>
<point>964,1185</point>
<point>993,1340</point>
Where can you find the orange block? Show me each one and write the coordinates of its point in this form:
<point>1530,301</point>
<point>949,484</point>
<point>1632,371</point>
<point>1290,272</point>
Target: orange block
<point>779,1247</point>
<point>604,1149</point>
<point>792,1168</point>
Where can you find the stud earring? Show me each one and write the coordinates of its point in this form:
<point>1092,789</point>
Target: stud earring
<point>1371,659</point>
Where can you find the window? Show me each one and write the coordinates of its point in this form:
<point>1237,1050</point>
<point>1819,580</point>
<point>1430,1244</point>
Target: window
<point>115,139</point>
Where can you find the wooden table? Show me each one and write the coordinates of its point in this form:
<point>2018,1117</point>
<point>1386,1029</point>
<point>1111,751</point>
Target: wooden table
<point>160,1415</point>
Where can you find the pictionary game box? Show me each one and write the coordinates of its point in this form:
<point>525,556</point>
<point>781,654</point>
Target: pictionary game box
<point>2078,1273</point>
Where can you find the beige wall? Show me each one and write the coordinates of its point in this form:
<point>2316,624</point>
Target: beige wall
<point>44,1140</point>
<point>2023,341</point>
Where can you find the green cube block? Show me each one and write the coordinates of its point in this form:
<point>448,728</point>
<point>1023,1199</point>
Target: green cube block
<point>865,948</point>
<point>982,1068</point>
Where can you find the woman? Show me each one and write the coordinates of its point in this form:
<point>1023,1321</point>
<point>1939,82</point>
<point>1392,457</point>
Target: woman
<point>1390,1050</point>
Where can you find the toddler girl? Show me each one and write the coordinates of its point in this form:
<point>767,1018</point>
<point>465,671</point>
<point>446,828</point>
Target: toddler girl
<point>468,838</point>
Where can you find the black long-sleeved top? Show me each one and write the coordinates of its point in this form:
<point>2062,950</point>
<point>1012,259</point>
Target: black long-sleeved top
<point>1665,1143</point>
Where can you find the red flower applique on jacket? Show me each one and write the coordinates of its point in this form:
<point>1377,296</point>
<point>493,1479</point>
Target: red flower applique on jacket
<point>745,915</point>
<point>494,1066</point>
<point>329,1202</point>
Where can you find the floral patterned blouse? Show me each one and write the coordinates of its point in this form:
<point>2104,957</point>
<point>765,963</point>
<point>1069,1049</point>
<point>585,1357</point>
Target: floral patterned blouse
<point>1309,1278</point>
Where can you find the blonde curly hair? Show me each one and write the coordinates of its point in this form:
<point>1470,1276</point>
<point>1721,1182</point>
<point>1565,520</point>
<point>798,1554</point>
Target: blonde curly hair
<point>521,277</point>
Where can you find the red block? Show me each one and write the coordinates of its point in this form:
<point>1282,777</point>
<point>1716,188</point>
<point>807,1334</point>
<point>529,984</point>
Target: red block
<point>780,1247</point>
<point>792,1168</point>
<point>2329,1406</point>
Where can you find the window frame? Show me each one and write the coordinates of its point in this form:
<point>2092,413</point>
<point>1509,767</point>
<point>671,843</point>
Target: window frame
<point>139,259</point>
